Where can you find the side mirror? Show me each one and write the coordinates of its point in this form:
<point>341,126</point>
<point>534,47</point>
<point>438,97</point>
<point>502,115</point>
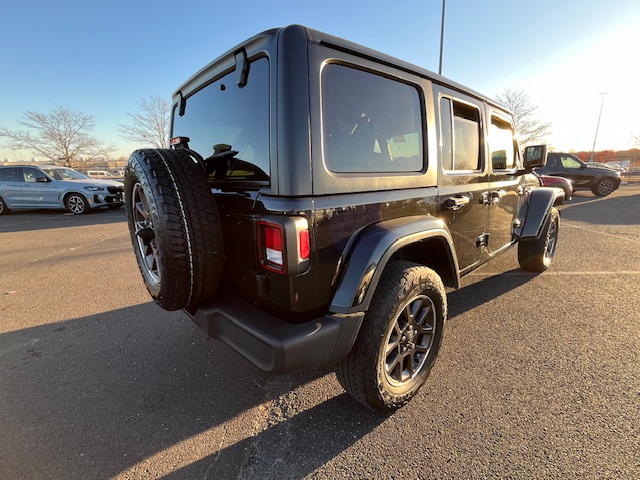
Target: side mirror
<point>42,179</point>
<point>535,156</point>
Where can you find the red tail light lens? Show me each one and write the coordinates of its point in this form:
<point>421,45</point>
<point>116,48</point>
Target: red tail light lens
<point>304,245</point>
<point>284,244</point>
<point>272,246</point>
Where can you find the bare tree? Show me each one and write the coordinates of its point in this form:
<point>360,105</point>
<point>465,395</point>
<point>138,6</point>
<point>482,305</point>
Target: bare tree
<point>529,128</point>
<point>150,126</point>
<point>60,135</point>
<point>635,138</point>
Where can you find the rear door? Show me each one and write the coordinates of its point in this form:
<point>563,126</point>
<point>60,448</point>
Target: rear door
<point>505,191</point>
<point>462,178</point>
<point>11,181</point>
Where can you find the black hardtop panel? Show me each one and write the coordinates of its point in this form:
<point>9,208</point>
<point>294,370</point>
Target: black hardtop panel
<point>321,38</point>
<point>266,40</point>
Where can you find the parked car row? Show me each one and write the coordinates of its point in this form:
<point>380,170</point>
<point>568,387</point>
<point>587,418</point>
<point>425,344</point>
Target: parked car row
<point>32,187</point>
<point>104,174</point>
<point>28,186</point>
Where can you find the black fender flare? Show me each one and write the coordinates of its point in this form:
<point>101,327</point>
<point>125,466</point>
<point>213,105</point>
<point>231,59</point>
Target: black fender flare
<point>535,211</point>
<point>371,250</point>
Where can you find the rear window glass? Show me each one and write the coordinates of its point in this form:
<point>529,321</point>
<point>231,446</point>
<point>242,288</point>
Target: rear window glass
<point>222,116</point>
<point>370,123</point>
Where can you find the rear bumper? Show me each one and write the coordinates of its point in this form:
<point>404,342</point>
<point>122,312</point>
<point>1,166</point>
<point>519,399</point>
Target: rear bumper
<point>272,344</point>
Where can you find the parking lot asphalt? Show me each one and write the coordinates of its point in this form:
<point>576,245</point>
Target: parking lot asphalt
<point>538,377</point>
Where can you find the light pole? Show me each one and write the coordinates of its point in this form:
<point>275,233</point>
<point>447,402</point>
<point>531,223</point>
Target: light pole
<point>444,6</point>
<point>593,149</point>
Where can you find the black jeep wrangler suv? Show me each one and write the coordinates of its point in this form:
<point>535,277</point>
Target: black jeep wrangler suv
<point>317,199</point>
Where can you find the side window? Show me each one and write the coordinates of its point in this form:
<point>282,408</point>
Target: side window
<point>13,174</point>
<point>460,136</point>
<point>570,162</point>
<point>502,145</point>
<point>370,123</point>
<point>30,174</point>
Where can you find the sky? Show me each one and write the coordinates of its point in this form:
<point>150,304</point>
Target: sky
<point>573,59</point>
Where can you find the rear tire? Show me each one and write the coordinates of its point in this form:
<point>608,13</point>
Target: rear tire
<point>399,340</point>
<point>535,255</point>
<point>4,210</point>
<point>174,227</point>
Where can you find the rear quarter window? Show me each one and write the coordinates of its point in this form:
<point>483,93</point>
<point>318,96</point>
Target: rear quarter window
<point>370,123</point>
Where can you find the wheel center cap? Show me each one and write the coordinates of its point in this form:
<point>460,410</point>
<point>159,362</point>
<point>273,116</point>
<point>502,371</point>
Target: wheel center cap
<point>406,341</point>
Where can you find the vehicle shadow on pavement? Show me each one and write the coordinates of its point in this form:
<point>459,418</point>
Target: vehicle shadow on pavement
<point>94,397</point>
<point>486,290</point>
<point>294,447</point>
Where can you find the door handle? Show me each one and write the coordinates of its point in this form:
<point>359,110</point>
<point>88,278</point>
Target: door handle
<point>492,197</point>
<point>456,202</point>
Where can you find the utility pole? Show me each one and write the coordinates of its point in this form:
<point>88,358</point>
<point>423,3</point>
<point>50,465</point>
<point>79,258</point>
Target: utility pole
<point>593,149</point>
<point>444,7</point>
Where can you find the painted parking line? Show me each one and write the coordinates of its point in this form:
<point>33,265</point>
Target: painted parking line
<point>553,272</point>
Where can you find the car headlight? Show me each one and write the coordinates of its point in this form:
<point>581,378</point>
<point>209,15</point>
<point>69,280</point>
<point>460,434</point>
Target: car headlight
<point>94,189</point>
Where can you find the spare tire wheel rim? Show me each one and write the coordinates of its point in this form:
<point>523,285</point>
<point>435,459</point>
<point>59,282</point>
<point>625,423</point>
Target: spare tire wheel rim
<point>145,233</point>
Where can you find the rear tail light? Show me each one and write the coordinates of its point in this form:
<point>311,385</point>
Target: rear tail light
<point>283,244</point>
<point>273,243</point>
<point>303,244</point>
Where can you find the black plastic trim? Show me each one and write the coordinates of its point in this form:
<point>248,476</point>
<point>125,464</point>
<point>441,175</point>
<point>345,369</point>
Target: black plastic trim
<point>372,251</point>
<point>539,204</point>
<point>273,345</point>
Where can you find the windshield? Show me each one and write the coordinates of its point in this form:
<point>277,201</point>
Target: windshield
<point>63,173</point>
<point>222,116</point>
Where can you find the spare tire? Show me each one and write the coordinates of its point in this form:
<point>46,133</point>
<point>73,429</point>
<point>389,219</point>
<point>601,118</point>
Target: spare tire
<point>174,226</point>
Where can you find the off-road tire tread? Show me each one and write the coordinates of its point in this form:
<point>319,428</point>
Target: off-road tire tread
<point>358,373</point>
<point>187,225</point>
